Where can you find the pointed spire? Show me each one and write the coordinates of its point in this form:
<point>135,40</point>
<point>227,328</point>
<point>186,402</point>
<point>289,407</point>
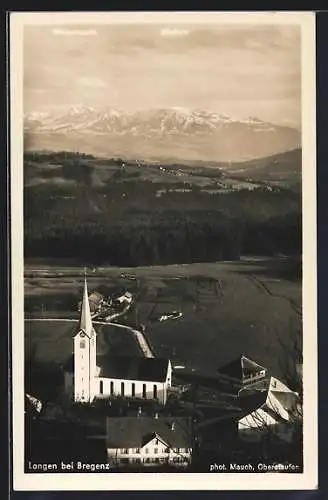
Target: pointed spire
<point>85,319</point>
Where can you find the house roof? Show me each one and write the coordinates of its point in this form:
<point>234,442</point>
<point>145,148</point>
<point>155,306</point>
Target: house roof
<point>31,405</point>
<point>250,401</point>
<point>133,368</point>
<point>240,368</point>
<point>288,400</point>
<point>135,432</point>
<point>128,368</point>
<point>253,399</point>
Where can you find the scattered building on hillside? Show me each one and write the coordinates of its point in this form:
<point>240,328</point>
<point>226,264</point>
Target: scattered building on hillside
<point>96,302</point>
<point>89,376</point>
<point>124,298</point>
<point>276,413</point>
<point>149,441</point>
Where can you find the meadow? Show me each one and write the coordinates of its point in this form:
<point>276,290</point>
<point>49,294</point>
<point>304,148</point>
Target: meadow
<point>250,307</point>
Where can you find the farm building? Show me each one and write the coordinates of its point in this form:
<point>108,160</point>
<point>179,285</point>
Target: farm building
<point>89,376</point>
<point>276,414</point>
<point>96,300</point>
<point>149,441</point>
<point>124,298</point>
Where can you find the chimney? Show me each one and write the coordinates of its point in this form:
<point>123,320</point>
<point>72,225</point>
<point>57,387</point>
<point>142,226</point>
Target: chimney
<point>172,426</point>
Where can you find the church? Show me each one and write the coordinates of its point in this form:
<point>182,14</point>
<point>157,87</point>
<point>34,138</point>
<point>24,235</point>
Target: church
<point>89,376</point>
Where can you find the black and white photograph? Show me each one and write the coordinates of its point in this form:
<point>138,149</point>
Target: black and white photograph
<point>163,250</point>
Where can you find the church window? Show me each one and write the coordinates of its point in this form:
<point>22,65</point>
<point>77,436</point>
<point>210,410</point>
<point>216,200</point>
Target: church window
<point>112,388</point>
<point>155,450</point>
<point>144,394</point>
<point>133,392</point>
<point>122,388</point>
<point>155,391</point>
<point>101,387</point>
<point>82,344</point>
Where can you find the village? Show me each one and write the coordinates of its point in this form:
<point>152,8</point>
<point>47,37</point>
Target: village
<point>143,413</point>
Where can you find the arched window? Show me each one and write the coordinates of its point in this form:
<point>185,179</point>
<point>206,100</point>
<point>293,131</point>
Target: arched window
<point>144,393</point>
<point>101,387</point>
<point>112,388</point>
<point>133,390</point>
<point>122,388</point>
<point>155,391</point>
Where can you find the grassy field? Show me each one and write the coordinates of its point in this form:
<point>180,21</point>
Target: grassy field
<point>229,308</point>
<point>52,341</point>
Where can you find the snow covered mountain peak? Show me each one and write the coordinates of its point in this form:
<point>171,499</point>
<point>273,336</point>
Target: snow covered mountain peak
<point>175,131</point>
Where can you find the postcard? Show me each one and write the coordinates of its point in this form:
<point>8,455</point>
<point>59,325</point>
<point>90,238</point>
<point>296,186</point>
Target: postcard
<point>163,241</point>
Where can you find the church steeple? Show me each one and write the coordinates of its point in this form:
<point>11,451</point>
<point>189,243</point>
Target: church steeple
<point>85,318</point>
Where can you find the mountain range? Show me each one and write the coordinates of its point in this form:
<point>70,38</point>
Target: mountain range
<point>157,133</point>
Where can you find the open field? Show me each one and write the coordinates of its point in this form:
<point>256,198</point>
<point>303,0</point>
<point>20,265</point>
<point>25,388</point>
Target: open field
<point>228,309</point>
<point>52,341</point>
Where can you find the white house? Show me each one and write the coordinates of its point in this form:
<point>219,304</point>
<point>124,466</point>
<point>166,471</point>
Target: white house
<point>149,441</point>
<point>125,298</point>
<point>89,376</point>
<point>276,414</point>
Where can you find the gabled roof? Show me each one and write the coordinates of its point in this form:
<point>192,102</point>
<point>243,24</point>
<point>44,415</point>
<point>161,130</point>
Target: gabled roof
<point>135,432</point>
<point>128,368</point>
<point>288,400</point>
<point>261,399</point>
<point>133,368</point>
<point>252,400</point>
<point>240,368</point>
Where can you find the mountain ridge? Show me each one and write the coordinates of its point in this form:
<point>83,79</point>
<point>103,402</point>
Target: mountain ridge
<point>158,133</point>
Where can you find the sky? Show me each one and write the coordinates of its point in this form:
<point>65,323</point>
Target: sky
<point>240,70</point>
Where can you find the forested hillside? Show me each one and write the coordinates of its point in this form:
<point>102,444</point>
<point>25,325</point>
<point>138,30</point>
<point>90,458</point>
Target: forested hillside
<point>76,206</point>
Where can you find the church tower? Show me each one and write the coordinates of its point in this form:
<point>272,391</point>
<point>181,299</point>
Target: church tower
<point>85,354</point>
